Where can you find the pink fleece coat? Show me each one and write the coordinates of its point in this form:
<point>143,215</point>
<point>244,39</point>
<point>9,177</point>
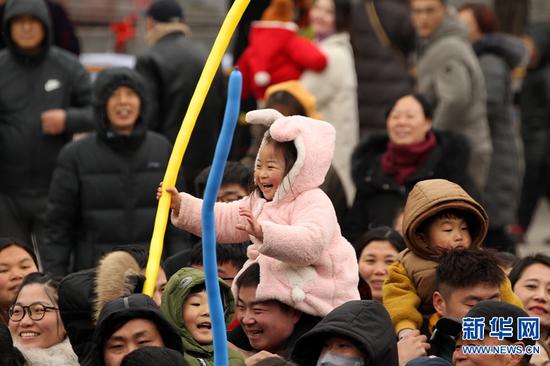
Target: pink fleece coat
<point>305,262</point>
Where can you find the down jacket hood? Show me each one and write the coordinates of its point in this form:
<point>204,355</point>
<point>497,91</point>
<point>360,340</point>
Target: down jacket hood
<point>314,141</point>
<point>366,323</point>
<point>449,27</point>
<point>35,8</point>
<point>176,291</point>
<point>107,81</point>
<point>118,312</point>
<point>431,196</point>
<point>510,48</point>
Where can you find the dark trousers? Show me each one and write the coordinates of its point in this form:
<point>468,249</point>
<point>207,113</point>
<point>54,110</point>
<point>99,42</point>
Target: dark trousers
<point>536,178</point>
<point>22,217</point>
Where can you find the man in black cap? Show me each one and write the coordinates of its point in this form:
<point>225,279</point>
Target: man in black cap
<point>502,327</point>
<point>126,324</point>
<point>171,69</point>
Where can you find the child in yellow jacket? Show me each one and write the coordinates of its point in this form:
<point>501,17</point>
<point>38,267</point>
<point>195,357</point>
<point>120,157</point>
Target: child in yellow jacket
<point>438,216</point>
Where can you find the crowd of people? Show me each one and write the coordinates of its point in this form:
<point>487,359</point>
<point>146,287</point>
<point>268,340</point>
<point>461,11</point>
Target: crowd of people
<point>389,168</point>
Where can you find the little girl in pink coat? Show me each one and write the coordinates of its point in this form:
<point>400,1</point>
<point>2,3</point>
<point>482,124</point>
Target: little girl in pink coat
<point>304,260</point>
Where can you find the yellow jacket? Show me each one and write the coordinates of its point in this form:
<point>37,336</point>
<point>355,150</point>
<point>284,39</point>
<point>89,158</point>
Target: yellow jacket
<point>402,300</point>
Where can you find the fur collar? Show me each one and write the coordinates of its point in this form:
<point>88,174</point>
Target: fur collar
<point>162,29</point>
<point>59,354</point>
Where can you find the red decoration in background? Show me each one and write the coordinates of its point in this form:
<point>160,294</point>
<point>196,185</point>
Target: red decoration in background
<point>124,30</point>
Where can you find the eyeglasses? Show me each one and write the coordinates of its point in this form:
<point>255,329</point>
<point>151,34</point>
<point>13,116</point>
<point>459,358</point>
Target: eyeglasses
<point>36,311</point>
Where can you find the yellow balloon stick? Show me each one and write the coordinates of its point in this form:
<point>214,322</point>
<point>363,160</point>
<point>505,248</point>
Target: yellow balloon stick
<point>180,145</point>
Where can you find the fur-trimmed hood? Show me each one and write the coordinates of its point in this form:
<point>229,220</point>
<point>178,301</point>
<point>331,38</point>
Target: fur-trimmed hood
<point>431,196</point>
<point>314,141</point>
<point>510,48</point>
<point>118,274</point>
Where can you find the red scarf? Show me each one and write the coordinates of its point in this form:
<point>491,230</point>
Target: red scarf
<point>401,161</point>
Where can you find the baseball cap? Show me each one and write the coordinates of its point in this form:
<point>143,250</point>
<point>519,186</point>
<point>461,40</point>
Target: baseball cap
<point>165,11</point>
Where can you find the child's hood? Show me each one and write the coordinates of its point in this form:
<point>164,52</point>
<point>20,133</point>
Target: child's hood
<point>176,291</point>
<point>431,196</point>
<point>314,141</point>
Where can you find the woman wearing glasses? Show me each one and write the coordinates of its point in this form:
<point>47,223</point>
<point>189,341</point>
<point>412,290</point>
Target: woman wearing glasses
<point>35,324</point>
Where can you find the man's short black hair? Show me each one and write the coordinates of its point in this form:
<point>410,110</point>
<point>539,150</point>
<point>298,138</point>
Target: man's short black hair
<point>250,276</point>
<point>225,253</point>
<point>466,268</point>
<point>233,173</point>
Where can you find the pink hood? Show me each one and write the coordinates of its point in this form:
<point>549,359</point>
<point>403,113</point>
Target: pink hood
<point>315,149</point>
<point>304,260</point>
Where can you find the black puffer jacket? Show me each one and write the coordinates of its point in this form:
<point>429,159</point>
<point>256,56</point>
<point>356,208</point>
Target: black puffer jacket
<point>103,189</point>
<point>171,69</point>
<point>365,323</point>
<point>379,197</point>
<point>30,85</point>
<point>382,73</point>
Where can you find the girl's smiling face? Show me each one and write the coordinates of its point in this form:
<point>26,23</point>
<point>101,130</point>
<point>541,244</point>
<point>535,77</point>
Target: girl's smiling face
<point>270,170</point>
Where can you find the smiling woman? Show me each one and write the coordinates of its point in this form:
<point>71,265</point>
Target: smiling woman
<point>35,324</point>
<point>386,166</point>
<point>16,261</point>
<point>530,280</point>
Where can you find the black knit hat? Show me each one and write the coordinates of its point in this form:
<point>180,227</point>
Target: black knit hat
<point>165,11</point>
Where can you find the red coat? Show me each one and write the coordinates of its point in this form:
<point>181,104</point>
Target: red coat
<point>276,53</point>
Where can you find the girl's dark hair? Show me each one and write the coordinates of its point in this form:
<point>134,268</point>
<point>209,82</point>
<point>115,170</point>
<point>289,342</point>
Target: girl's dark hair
<point>44,279</point>
<point>524,263</point>
<point>287,148</point>
<point>420,98</point>
<point>485,18</point>
<point>288,100</point>
<point>9,242</point>
<point>379,233</point>
<point>342,15</point>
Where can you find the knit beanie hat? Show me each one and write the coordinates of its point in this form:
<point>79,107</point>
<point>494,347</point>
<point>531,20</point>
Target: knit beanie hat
<point>279,10</point>
<point>297,90</point>
<point>165,11</point>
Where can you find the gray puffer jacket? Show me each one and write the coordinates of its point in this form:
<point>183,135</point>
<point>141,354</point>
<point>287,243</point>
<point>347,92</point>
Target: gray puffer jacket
<point>498,55</point>
<point>450,76</point>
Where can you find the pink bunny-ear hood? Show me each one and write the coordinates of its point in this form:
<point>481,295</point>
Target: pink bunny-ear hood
<point>314,141</point>
<point>264,117</point>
